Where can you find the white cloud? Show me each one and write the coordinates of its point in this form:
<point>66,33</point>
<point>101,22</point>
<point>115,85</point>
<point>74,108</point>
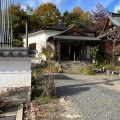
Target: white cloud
<point>35,3</point>
<point>57,2</point>
<point>117,7</point>
<point>44,1</point>
<point>23,7</point>
<point>24,4</point>
<point>31,3</point>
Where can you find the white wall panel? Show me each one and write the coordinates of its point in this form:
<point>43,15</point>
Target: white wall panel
<point>15,72</point>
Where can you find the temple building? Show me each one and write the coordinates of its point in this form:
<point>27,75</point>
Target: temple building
<point>110,38</point>
<point>69,43</point>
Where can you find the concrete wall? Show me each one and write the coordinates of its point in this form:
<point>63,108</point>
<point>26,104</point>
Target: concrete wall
<point>15,77</point>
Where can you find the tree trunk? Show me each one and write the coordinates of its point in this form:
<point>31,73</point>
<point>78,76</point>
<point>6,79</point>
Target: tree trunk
<point>113,55</point>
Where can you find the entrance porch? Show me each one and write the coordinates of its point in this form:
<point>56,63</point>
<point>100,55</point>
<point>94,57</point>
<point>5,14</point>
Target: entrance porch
<point>73,45</point>
<point>75,52</point>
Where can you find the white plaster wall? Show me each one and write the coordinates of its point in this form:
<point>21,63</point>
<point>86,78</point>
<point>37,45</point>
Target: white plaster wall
<point>40,39</point>
<point>15,72</point>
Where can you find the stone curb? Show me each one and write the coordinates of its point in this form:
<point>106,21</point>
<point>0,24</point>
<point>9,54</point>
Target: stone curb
<point>19,115</point>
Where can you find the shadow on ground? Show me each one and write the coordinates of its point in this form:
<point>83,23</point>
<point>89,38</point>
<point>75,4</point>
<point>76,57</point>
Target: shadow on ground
<point>57,76</point>
<point>103,80</point>
<point>68,90</point>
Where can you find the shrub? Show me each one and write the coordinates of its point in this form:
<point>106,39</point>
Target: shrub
<point>93,51</point>
<point>2,100</point>
<point>37,80</point>
<point>52,69</point>
<point>100,59</point>
<point>107,65</point>
<point>87,70</point>
<point>47,93</point>
<point>49,87</point>
<point>37,77</point>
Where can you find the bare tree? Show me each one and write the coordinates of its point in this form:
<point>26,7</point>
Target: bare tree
<point>99,16</point>
<point>114,37</point>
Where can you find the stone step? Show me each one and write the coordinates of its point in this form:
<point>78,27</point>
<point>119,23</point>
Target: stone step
<point>71,71</point>
<point>70,66</point>
<point>70,63</point>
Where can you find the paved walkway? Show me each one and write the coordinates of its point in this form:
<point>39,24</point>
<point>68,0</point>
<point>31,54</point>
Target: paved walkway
<point>89,97</point>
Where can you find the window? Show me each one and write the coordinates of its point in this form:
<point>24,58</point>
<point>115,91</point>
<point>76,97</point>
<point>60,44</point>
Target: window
<point>32,46</point>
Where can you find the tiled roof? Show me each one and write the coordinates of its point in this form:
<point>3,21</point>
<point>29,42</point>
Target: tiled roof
<point>16,52</point>
<point>60,27</point>
<point>115,18</point>
<point>78,38</point>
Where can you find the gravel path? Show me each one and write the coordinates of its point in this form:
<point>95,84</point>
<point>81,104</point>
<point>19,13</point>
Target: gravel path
<point>90,97</point>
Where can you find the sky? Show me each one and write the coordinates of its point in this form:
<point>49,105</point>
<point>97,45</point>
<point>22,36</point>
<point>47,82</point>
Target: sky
<point>63,5</point>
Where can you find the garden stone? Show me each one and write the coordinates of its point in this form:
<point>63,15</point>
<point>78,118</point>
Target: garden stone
<point>113,73</point>
<point>62,100</point>
<point>108,72</point>
<point>60,69</point>
<point>119,72</point>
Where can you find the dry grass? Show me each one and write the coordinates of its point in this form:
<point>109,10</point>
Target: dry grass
<point>47,111</point>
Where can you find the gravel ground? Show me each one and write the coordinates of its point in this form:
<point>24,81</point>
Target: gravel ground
<point>90,97</point>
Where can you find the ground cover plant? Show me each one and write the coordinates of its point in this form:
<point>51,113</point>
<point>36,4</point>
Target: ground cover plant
<point>44,98</point>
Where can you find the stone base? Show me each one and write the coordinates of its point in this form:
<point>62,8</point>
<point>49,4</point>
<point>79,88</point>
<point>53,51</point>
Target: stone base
<point>16,94</point>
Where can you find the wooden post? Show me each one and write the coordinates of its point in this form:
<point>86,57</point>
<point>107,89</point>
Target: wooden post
<point>74,56</point>
<point>59,50</point>
<point>26,33</point>
<point>113,59</point>
<point>55,48</point>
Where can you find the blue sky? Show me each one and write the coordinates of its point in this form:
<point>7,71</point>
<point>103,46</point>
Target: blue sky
<point>63,5</point>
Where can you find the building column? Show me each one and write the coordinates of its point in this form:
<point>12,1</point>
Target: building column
<point>55,48</point>
<point>26,33</point>
<point>59,49</point>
